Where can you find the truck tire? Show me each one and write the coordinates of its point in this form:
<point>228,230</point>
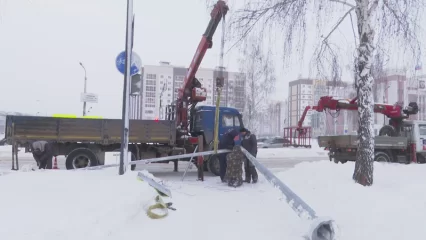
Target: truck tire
<point>387,130</point>
<point>80,158</point>
<point>382,157</point>
<point>213,165</point>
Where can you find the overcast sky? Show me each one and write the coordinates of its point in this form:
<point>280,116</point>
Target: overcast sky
<point>43,41</point>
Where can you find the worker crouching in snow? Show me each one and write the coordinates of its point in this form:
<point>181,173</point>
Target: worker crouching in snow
<point>249,142</point>
<point>234,169</point>
<point>226,142</point>
<point>42,153</point>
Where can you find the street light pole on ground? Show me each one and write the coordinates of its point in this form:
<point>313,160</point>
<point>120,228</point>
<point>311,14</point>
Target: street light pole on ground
<point>85,87</point>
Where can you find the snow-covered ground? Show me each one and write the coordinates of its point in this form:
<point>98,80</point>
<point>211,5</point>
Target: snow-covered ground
<point>100,204</point>
<point>272,153</point>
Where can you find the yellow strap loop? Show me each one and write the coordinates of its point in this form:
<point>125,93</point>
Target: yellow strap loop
<point>158,205</point>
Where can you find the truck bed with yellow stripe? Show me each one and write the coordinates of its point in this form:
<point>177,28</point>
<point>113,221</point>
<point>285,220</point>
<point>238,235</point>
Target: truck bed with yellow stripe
<point>23,129</point>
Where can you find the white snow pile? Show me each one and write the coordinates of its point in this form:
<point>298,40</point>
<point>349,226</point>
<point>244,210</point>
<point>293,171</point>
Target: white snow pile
<point>95,205</point>
<point>98,205</point>
<point>284,152</point>
<point>6,151</point>
<point>393,208</point>
<point>70,204</point>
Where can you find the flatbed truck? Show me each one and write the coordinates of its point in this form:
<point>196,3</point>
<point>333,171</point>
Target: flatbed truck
<point>85,141</point>
<point>409,146</point>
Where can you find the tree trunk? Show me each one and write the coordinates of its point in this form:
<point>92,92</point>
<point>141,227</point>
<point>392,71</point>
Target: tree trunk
<point>364,166</point>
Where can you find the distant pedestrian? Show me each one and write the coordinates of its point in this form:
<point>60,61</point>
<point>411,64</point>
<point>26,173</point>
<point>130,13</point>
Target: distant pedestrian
<point>42,153</point>
<point>226,142</point>
<point>249,142</point>
<point>234,167</point>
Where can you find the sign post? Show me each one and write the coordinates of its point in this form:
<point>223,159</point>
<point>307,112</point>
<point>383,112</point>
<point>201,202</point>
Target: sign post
<point>128,63</point>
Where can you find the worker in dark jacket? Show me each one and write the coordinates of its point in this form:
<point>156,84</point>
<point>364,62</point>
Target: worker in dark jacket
<point>249,142</point>
<point>42,153</point>
<point>226,142</point>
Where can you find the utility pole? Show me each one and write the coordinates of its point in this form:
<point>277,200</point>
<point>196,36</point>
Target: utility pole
<point>85,87</point>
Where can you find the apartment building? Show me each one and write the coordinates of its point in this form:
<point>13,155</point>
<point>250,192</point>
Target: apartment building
<point>300,95</point>
<point>397,88</point>
<point>161,83</point>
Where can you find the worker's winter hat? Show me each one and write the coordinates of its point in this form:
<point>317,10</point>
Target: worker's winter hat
<point>244,130</point>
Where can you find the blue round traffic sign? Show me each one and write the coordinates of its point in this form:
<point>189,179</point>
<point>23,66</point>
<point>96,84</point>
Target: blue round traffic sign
<point>120,63</point>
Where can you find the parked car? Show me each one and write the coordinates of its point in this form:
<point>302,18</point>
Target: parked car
<point>276,142</point>
<point>261,141</point>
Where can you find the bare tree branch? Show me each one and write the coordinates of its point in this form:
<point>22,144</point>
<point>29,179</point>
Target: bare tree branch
<point>344,3</point>
<point>338,23</point>
<point>259,72</point>
<point>380,24</point>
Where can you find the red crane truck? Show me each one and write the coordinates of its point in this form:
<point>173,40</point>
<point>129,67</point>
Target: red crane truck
<point>401,140</point>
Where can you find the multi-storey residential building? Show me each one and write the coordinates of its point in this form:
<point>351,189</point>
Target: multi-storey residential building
<point>300,95</point>
<point>161,83</point>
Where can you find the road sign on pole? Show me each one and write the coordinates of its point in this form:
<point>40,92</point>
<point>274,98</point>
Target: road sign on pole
<point>120,63</point>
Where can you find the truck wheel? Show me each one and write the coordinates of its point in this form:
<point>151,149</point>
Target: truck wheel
<point>213,165</point>
<point>81,158</point>
<point>387,130</point>
<point>205,165</point>
<point>382,157</point>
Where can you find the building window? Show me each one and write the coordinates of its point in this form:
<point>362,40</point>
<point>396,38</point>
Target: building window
<point>150,88</point>
<point>150,100</point>
<point>149,111</point>
<point>150,94</point>
<point>150,82</point>
<point>151,76</point>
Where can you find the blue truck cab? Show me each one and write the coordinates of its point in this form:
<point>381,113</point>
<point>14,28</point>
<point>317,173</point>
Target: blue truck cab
<point>203,122</point>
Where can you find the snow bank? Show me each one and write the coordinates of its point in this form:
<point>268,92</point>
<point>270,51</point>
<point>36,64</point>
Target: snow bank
<point>70,204</point>
<point>99,205</point>
<point>393,208</point>
<point>6,151</point>
<point>272,153</point>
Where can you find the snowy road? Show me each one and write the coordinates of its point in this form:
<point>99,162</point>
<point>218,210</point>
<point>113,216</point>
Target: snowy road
<point>274,164</point>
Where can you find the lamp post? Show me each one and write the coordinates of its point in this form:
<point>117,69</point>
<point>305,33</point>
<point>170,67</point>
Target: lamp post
<point>85,87</point>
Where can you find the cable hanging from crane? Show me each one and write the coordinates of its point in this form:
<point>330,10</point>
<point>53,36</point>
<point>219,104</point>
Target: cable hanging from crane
<point>219,85</point>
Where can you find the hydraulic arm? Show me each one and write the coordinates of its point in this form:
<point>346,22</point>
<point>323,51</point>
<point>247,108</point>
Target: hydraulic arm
<point>395,113</point>
<point>191,91</point>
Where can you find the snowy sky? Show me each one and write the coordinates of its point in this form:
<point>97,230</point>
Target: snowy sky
<point>43,41</point>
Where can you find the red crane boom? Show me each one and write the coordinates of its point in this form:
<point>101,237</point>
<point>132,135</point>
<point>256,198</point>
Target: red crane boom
<point>395,112</point>
<point>191,91</point>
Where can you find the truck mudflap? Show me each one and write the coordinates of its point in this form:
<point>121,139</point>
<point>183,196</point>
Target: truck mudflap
<point>351,142</point>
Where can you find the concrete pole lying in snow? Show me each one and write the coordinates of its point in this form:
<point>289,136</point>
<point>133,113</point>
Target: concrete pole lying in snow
<point>321,228</point>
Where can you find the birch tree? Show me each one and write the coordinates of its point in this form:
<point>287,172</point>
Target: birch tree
<point>258,70</point>
<point>373,22</point>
